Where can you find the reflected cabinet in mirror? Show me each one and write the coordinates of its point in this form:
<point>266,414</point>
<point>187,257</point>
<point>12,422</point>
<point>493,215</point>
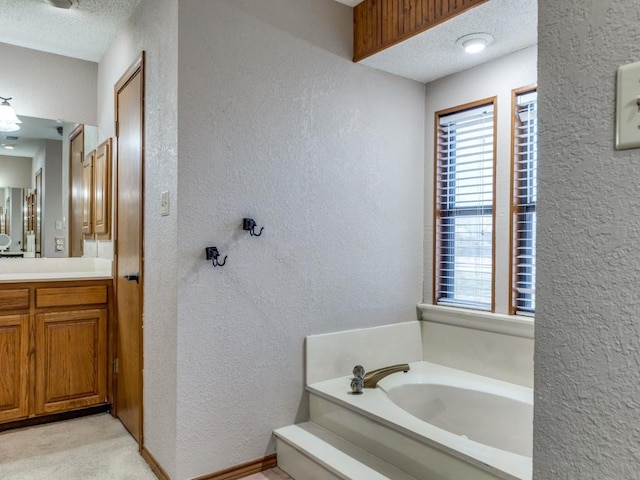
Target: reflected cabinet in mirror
<point>43,196</point>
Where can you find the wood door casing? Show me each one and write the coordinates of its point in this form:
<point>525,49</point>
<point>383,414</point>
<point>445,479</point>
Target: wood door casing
<point>14,359</point>
<point>129,108</point>
<point>39,211</point>
<point>76,157</point>
<point>71,366</point>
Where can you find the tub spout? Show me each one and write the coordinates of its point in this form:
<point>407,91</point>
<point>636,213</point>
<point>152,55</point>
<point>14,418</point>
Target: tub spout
<point>372,378</point>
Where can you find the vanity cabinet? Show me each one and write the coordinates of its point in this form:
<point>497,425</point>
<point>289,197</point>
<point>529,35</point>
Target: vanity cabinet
<point>14,358</point>
<point>71,360</point>
<point>53,347</point>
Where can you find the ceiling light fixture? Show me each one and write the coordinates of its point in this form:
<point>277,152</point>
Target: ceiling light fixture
<point>65,4</point>
<point>474,42</point>
<point>8,119</point>
<point>9,147</point>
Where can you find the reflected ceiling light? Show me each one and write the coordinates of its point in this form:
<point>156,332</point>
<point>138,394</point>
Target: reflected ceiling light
<point>8,147</point>
<point>8,119</point>
<point>474,42</point>
<point>66,4</point>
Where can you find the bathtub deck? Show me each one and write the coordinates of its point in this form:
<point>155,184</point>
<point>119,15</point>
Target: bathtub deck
<point>349,416</point>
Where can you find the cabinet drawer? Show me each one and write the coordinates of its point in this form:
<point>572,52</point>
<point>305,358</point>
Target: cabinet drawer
<point>14,299</point>
<point>64,296</point>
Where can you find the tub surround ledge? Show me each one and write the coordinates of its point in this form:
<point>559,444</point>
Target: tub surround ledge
<point>515,325</point>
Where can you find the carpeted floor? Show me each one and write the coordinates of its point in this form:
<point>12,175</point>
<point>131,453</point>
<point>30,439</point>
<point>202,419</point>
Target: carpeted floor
<point>88,448</point>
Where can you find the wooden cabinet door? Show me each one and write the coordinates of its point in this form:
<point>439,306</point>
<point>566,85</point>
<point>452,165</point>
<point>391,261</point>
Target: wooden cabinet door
<point>71,360</point>
<point>102,190</point>
<point>76,157</point>
<point>87,194</point>
<point>14,365</point>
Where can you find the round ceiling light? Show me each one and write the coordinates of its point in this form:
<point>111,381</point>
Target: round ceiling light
<point>474,42</point>
<point>65,4</point>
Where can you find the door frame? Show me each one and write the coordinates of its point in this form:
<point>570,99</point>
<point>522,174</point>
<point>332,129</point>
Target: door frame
<point>137,67</point>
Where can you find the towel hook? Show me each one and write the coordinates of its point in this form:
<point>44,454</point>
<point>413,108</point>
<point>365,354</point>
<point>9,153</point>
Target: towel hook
<point>213,254</point>
<point>249,224</point>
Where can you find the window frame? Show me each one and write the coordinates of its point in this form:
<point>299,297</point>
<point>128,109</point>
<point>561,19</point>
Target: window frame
<point>436,263</point>
<point>515,205</point>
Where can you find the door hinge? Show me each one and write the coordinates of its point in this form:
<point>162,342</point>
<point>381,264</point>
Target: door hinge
<point>115,247</point>
<point>117,129</point>
<point>115,365</point>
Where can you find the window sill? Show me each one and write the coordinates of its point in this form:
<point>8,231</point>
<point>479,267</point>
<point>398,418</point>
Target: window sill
<point>515,325</point>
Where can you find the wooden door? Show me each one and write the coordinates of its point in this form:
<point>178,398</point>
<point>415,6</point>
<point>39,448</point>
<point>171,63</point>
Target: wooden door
<point>14,362</point>
<point>87,193</point>
<point>71,360</point>
<point>76,157</point>
<point>129,93</point>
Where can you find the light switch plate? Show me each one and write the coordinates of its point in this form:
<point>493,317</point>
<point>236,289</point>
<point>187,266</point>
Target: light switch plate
<point>164,204</point>
<point>628,107</point>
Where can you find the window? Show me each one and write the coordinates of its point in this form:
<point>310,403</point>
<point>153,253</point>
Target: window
<point>464,206</point>
<point>525,193</point>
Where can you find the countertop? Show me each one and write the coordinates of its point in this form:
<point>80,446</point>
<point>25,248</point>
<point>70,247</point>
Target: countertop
<point>54,269</point>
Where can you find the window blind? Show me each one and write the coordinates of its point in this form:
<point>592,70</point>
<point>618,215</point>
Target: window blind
<point>525,188</point>
<point>464,208</point>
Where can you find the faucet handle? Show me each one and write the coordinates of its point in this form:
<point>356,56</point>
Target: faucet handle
<point>357,383</point>
<point>358,371</point>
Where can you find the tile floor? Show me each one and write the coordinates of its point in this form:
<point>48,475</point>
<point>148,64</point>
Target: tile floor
<point>273,474</point>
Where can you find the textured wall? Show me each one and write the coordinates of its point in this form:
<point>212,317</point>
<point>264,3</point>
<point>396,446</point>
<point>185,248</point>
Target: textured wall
<point>496,78</point>
<point>153,28</point>
<point>48,86</point>
<point>52,197</point>
<point>587,372</point>
<point>276,123</point>
<point>15,171</point>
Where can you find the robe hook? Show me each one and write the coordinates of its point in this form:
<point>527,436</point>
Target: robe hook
<point>213,254</point>
<point>249,224</point>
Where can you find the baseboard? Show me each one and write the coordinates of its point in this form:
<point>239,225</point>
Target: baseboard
<point>55,417</point>
<point>243,470</point>
<point>153,464</point>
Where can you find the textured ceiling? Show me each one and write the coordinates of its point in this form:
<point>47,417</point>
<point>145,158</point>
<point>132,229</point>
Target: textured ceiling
<point>87,31</point>
<point>434,54</point>
<point>31,136</point>
<point>84,32</point>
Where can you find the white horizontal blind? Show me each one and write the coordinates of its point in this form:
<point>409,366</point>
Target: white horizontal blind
<point>464,208</point>
<point>525,196</point>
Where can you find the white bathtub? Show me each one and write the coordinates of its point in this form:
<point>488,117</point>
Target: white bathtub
<point>434,421</point>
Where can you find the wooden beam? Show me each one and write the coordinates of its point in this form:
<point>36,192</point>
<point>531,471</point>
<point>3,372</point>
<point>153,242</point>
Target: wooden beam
<point>379,24</point>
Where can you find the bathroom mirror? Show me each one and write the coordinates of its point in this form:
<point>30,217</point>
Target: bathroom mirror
<point>34,183</point>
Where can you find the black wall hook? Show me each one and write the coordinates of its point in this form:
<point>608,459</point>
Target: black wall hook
<point>249,224</point>
<point>213,254</point>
